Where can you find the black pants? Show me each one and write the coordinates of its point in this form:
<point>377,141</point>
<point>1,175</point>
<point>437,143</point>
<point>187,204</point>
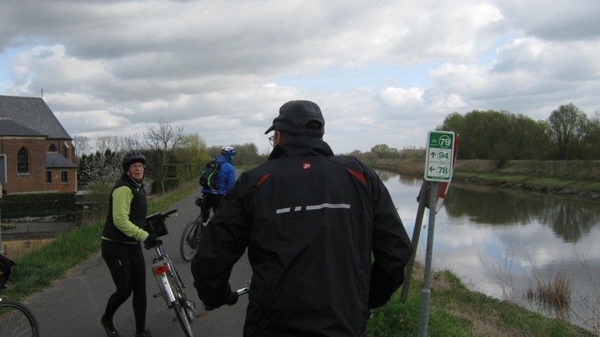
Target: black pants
<point>210,202</point>
<point>128,270</point>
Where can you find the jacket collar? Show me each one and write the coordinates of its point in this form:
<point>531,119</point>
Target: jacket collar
<point>301,146</point>
<point>126,177</point>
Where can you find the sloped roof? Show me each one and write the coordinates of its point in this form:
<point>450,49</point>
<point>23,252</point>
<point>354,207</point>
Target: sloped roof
<point>56,160</point>
<point>33,113</point>
<point>8,127</point>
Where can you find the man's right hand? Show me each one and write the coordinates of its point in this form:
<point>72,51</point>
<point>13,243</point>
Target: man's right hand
<point>231,299</point>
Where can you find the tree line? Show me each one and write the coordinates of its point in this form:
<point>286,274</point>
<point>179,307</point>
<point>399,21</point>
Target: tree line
<point>174,156</point>
<point>567,134</point>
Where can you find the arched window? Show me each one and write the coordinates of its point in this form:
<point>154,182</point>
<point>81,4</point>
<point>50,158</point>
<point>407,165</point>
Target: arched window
<point>22,161</point>
<point>53,148</point>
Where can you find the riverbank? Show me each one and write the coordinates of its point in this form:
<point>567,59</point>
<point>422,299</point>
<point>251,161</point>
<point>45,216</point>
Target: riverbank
<point>572,179</point>
<point>455,310</point>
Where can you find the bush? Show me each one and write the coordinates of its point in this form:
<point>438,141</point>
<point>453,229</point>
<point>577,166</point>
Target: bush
<point>39,204</point>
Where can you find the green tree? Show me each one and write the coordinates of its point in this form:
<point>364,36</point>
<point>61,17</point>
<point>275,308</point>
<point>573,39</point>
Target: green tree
<point>527,138</point>
<point>99,168</point>
<point>567,130</point>
<point>383,151</point>
<point>497,135</point>
<point>192,149</point>
<point>591,147</point>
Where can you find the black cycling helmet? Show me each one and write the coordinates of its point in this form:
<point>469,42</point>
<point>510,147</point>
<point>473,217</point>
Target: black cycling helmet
<point>131,157</point>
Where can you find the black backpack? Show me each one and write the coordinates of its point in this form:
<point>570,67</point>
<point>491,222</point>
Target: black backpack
<point>208,177</point>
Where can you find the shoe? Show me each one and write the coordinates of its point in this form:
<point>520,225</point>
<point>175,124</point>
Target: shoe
<point>110,328</point>
<point>145,333</point>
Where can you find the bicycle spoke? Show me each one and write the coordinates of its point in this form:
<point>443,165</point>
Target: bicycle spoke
<point>17,320</point>
<point>189,240</point>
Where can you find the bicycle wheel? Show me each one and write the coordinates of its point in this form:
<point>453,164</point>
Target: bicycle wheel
<point>180,306</point>
<point>189,240</point>
<point>17,320</point>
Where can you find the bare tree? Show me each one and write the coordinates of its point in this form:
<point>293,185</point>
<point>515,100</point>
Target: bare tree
<point>131,142</point>
<point>163,139</point>
<point>81,144</point>
<point>108,143</point>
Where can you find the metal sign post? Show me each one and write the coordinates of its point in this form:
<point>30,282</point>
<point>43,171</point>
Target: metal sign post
<point>426,292</point>
<point>1,245</point>
<point>423,200</point>
<point>3,179</point>
<point>438,170</point>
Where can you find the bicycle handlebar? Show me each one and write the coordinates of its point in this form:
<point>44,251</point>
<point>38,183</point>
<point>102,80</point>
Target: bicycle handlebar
<point>232,300</point>
<point>156,224</point>
<point>168,213</point>
<point>245,289</point>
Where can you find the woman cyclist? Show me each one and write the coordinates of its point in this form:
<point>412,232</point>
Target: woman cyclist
<point>121,249</point>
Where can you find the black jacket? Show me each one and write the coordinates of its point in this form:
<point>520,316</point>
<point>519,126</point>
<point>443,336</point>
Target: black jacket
<point>310,221</point>
<point>137,212</point>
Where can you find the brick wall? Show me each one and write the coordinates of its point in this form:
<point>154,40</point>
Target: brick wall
<point>58,185</point>
<point>35,180</point>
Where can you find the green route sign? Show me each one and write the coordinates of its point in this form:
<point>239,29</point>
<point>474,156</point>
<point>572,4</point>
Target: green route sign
<point>440,152</point>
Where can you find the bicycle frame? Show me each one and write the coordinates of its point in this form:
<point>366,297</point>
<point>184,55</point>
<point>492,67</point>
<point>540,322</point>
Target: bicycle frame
<point>170,284</point>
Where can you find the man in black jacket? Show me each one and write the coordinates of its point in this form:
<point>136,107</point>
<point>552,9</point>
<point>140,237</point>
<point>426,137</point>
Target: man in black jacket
<point>310,221</point>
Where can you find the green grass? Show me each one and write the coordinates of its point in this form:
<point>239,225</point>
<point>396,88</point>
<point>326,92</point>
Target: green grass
<point>40,268</point>
<point>583,189</point>
<point>454,311</point>
<point>457,311</point>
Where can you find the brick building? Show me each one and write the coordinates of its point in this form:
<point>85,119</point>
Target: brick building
<point>39,151</point>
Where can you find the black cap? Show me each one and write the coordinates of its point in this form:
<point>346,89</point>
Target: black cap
<point>299,118</point>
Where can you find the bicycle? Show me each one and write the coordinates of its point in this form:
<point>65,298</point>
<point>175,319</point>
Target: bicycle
<point>15,318</point>
<point>171,286</point>
<point>192,232</point>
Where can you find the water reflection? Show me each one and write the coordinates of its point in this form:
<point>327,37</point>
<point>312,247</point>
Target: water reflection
<point>499,241</point>
<point>570,220</point>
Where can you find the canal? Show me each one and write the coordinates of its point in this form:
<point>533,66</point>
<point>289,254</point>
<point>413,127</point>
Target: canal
<point>506,242</point>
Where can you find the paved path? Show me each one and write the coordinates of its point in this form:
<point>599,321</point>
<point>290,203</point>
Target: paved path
<point>73,306</point>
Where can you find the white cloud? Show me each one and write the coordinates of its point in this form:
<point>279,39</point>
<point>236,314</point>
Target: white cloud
<point>383,72</point>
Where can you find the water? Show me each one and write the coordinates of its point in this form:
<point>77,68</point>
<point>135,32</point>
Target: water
<point>500,242</point>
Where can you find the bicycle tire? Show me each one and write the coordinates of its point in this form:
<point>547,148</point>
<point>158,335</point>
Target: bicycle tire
<point>189,244</point>
<point>17,320</point>
<point>180,311</point>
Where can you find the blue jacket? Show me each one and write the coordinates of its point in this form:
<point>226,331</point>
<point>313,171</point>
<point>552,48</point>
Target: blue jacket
<point>225,179</point>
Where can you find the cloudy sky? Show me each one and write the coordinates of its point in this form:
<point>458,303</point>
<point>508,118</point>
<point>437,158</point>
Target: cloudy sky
<point>381,71</point>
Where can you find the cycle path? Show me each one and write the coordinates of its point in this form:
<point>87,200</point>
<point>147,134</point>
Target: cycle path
<point>73,306</point>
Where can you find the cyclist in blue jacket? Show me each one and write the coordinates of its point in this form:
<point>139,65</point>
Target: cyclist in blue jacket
<point>225,180</point>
